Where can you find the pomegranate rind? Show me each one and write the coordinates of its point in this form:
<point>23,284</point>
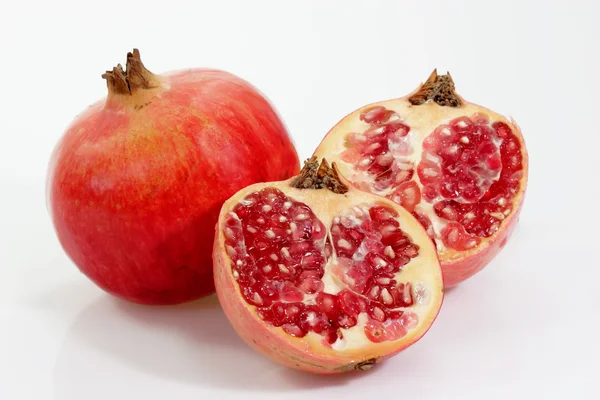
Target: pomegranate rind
<point>136,181</point>
<point>308,353</point>
<point>457,266</point>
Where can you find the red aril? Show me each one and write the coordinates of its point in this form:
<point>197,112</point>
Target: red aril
<point>136,183</point>
<point>323,277</point>
<point>460,168</point>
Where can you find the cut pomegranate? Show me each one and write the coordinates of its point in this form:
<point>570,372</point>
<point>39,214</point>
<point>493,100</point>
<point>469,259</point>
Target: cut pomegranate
<point>459,168</point>
<point>351,276</point>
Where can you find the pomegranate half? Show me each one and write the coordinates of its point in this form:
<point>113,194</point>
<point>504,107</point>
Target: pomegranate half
<point>323,277</point>
<point>460,168</point>
<point>136,182</point>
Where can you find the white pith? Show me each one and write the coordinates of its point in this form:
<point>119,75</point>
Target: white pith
<point>422,120</point>
<point>422,271</point>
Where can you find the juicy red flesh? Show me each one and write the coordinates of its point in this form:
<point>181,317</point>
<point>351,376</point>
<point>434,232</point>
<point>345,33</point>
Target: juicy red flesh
<point>471,169</point>
<point>279,250</point>
<point>382,149</point>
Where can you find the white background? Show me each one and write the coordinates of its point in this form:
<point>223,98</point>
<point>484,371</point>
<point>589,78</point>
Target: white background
<point>526,327</point>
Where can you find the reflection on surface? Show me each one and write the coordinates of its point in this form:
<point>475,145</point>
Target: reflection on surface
<point>113,345</point>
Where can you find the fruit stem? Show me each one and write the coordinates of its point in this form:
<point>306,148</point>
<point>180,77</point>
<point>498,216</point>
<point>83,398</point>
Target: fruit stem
<point>319,176</point>
<point>439,88</point>
<point>134,77</point>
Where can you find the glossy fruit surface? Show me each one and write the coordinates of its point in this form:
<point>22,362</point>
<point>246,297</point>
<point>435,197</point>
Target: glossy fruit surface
<point>137,180</point>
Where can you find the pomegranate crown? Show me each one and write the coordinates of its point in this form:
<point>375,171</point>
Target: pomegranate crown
<point>135,76</point>
<point>439,88</point>
<point>319,176</point>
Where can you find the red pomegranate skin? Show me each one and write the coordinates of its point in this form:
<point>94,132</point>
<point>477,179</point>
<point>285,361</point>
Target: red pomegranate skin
<point>136,183</point>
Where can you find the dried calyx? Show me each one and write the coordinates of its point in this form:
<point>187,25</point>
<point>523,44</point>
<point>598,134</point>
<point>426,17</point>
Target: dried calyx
<point>135,76</point>
<point>439,88</point>
<point>319,176</point>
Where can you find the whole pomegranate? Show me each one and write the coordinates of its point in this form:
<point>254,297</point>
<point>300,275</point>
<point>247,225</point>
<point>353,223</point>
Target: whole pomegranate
<point>322,277</point>
<point>460,168</point>
<point>136,183</point>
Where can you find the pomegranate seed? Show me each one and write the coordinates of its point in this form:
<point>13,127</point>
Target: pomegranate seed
<point>406,294</point>
<point>326,302</point>
<point>462,125</point>
<point>389,252</point>
<point>311,285</point>
<point>349,303</point>
<point>375,332</point>
<point>386,297</point>
<point>294,330</point>
<point>395,331</point>
<point>381,213</point>
<point>290,293</point>
<point>378,314</point>
<point>373,114</point>
<point>346,321</point>
<point>344,244</point>
<point>395,314</point>
<point>385,159</point>
<point>374,292</point>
